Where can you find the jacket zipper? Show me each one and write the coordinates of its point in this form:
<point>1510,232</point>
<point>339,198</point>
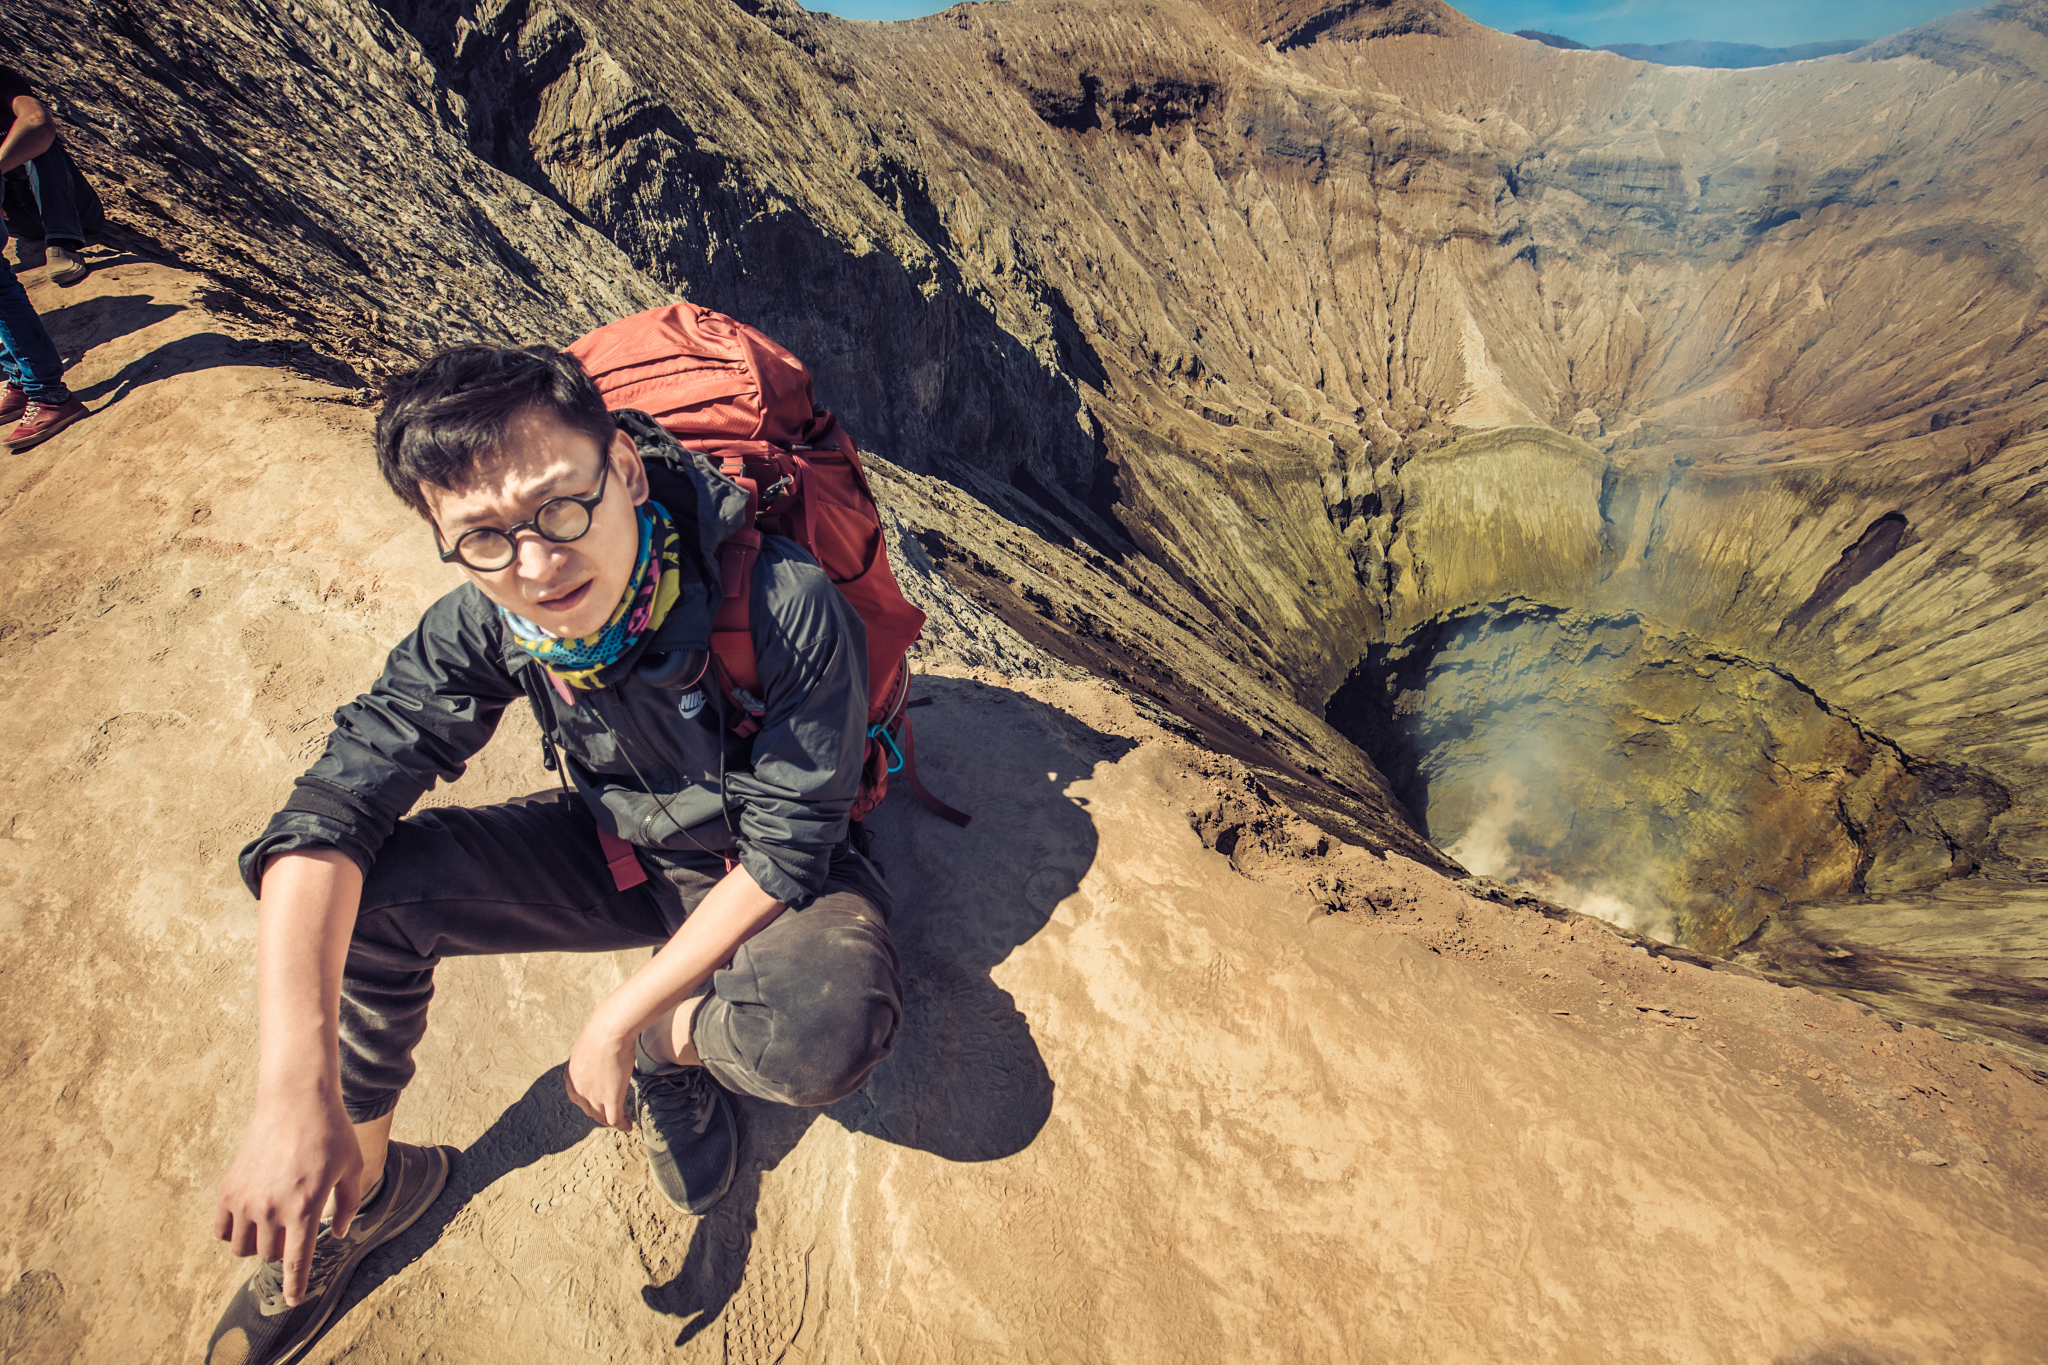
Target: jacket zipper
<point>640,738</point>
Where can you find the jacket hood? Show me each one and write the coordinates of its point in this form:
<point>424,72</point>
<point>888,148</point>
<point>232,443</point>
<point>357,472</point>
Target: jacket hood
<point>707,507</point>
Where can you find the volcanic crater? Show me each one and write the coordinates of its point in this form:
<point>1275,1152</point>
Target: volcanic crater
<point>1417,412</point>
<point>1623,484</point>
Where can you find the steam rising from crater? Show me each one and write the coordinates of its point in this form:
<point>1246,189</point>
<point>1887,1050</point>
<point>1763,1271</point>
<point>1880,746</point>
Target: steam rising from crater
<point>1639,774</point>
<point>1508,843</point>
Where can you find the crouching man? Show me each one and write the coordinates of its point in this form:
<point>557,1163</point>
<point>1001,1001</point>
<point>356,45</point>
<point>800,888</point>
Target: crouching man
<point>774,975</point>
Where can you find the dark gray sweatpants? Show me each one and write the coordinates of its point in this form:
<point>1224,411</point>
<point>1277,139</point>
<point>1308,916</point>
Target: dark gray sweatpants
<point>801,1015</point>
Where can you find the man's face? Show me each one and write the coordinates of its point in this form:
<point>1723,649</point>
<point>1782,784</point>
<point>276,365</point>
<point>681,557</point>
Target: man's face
<point>569,589</point>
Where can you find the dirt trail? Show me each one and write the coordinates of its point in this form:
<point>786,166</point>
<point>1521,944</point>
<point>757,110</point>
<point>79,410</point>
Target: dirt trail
<point>1144,1106</point>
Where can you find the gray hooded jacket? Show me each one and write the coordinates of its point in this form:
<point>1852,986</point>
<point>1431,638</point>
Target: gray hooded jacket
<point>656,765</point>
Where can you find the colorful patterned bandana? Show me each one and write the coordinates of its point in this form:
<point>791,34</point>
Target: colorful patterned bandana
<point>601,659</point>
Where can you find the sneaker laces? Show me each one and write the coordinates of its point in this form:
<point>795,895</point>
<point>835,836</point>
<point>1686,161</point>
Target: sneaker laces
<point>687,1097</point>
<point>268,1282</point>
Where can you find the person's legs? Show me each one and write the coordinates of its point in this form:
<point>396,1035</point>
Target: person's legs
<point>800,1015</point>
<point>523,877</point>
<point>23,218</point>
<point>12,399</point>
<point>32,358</point>
<point>54,179</point>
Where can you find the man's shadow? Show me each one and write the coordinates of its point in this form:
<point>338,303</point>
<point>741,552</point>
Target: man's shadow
<point>965,1080</point>
<point>539,1123</point>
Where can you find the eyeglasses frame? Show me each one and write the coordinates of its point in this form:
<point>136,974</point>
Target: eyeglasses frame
<point>588,504</point>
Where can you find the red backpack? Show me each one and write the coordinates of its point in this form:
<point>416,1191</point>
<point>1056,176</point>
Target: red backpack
<point>725,390</point>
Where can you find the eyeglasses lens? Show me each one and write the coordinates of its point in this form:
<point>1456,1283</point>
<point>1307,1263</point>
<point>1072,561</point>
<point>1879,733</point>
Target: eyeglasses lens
<point>562,519</point>
<point>486,550</point>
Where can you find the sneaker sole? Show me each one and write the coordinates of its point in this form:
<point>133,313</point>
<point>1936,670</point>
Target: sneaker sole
<point>33,441</point>
<point>437,1181</point>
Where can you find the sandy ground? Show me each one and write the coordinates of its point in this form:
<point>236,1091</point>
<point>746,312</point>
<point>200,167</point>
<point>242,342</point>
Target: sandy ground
<point>1280,1102</point>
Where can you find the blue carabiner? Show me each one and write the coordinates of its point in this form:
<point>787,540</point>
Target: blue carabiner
<point>881,732</point>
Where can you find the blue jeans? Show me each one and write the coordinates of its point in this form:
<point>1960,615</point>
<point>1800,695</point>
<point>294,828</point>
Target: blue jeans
<point>49,199</point>
<point>55,182</point>
<point>28,357</point>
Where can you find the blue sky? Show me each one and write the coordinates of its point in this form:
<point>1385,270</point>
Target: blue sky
<point>1773,23</point>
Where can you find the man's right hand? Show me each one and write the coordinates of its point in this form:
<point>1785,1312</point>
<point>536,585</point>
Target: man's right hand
<point>271,1200</point>
<point>300,1147</point>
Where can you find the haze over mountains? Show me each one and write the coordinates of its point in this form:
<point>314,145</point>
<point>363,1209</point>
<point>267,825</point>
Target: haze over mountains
<point>1702,51</point>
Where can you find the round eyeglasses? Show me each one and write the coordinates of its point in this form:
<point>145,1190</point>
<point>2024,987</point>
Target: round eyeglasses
<point>560,520</point>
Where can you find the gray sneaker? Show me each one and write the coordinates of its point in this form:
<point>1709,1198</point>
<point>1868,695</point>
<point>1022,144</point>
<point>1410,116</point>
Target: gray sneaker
<point>260,1328</point>
<point>66,265</point>
<point>692,1138</point>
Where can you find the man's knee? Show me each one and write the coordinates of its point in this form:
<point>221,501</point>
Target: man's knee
<point>805,1019</point>
<point>834,1057</point>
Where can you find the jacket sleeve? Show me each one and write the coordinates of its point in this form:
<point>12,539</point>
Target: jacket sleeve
<point>442,693</point>
<point>793,805</point>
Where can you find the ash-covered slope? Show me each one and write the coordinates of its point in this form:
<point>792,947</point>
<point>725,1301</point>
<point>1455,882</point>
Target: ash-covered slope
<point>1183,319</point>
<point>1694,413</point>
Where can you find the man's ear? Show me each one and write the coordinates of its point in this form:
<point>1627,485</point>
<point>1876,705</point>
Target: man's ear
<point>626,459</point>
<point>426,511</point>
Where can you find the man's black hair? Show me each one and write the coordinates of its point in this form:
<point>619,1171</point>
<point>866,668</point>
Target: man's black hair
<point>442,418</point>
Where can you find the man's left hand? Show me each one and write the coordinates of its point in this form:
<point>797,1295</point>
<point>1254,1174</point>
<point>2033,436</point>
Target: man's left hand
<point>600,1072</point>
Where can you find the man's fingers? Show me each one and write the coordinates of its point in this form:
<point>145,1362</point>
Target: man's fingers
<point>242,1239</point>
<point>270,1242</point>
<point>348,1197</point>
<point>298,1259</point>
<point>590,1111</point>
<point>223,1225</point>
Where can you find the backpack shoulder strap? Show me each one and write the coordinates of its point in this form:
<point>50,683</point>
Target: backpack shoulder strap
<point>917,787</point>
<point>732,629</point>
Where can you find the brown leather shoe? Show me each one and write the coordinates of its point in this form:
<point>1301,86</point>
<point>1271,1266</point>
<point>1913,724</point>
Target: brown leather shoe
<point>41,421</point>
<point>66,265</point>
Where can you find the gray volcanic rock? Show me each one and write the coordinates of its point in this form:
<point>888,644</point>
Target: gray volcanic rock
<point>1557,40</point>
<point>1297,23</point>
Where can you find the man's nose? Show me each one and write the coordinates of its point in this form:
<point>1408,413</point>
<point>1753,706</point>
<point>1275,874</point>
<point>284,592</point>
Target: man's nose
<point>535,555</point>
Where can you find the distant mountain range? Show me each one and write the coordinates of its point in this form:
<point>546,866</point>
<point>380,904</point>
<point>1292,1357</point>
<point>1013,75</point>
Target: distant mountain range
<point>1699,52</point>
